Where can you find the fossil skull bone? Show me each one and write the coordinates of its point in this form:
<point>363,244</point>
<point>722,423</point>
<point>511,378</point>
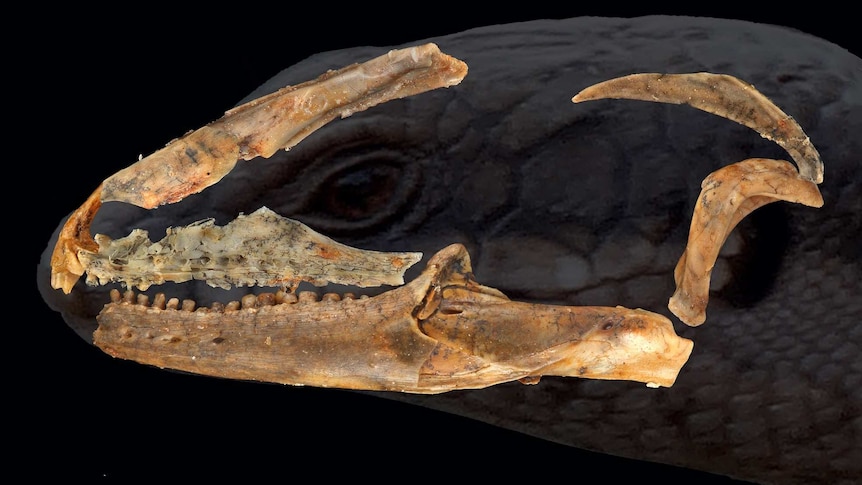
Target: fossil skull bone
<point>441,338</point>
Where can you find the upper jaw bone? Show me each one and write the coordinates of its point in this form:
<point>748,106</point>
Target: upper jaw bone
<point>440,332</point>
<point>259,128</point>
<point>258,249</point>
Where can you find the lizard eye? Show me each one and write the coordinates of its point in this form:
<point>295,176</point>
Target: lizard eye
<point>358,177</point>
<point>363,192</point>
<point>360,192</point>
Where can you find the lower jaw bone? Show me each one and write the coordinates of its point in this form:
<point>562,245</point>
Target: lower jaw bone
<point>441,332</point>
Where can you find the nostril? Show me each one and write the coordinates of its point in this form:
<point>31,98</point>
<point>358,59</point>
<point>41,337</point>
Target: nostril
<point>451,310</point>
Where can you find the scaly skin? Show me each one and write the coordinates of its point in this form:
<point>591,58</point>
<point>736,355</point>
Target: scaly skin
<point>772,391</point>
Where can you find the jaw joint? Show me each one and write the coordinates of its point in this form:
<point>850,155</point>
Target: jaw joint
<point>483,336</point>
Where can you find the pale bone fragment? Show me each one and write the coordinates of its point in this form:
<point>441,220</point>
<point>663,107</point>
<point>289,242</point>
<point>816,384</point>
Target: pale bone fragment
<point>731,193</point>
<point>259,249</point>
<point>722,95</point>
<point>258,128</point>
<point>727,196</point>
<point>440,332</point>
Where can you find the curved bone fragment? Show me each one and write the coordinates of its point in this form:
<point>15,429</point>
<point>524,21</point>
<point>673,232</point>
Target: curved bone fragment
<point>259,128</point>
<point>261,248</point>
<point>440,332</point>
<point>722,95</point>
<point>727,196</point>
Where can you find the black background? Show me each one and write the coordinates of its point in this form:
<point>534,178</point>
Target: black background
<point>108,85</point>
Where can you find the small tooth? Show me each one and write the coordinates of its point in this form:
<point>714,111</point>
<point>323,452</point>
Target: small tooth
<point>331,297</point>
<point>159,301</point>
<point>217,306</point>
<point>129,296</point>
<point>349,296</point>
<point>364,297</point>
<point>249,301</point>
<point>188,305</point>
<point>232,306</point>
<point>115,296</point>
<point>173,304</point>
<point>143,300</point>
<point>287,297</point>
<point>307,296</point>
<point>266,299</point>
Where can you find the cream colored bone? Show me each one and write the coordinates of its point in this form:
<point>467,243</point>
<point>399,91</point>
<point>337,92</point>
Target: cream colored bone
<point>259,249</point>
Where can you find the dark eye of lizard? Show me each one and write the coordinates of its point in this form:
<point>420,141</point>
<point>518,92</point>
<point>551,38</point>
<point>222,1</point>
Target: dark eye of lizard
<point>360,192</point>
<point>361,189</point>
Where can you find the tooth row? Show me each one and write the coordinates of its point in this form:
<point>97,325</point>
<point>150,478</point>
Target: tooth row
<point>161,302</point>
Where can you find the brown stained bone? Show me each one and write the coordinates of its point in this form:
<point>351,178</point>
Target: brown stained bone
<point>278,121</point>
<point>259,249</point>
<point>74,238</point>
<point>259,128</point>
<point>727,196</point>
<point>440,332</point>
<point>731,193</point>
<point>527,341</point>
<point>722,95</point>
